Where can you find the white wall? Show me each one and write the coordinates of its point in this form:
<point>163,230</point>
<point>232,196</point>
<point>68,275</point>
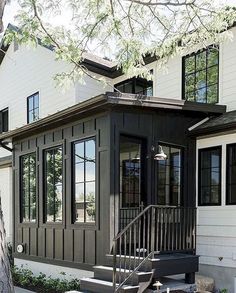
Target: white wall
<point>216,225</point>
<point>29,70</point>
<point>6,199</point>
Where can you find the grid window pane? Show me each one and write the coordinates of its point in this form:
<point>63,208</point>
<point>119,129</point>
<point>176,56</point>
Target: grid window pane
<point>130,172</point>
<point>54,184</point>
<point>210,176</point>
<point>28,188</point>
<point>201,76</point>
<point>4,120</point>
<point>85,181</point>
<point>169,179</point>
<point>33,108</point>
<point>136,85</point>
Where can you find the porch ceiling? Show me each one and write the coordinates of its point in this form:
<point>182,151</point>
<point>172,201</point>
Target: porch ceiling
<point>108,102</point>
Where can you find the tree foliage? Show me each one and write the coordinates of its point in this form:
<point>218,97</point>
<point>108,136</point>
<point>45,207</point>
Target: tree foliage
<point>126,30</point>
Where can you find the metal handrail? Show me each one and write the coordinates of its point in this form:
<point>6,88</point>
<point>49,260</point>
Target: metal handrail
<point>156,228</point>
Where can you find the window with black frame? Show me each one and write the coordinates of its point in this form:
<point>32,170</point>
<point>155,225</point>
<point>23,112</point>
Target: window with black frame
<point>84,181</point>
<point>209,176</point>
<point>28,188</point>
<point>169,177</point>
<point>201,76</point>
<point>33,108</point>
<point>4,120</point>
<point>136,85</point>
<point>53,184</point>
<point>231,174</point>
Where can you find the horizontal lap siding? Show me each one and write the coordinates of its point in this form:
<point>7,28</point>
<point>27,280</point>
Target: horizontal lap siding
<point>73,244</point>
<point>216,225</point>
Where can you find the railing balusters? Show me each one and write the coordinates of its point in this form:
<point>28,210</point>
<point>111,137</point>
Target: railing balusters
<point>156,228</point>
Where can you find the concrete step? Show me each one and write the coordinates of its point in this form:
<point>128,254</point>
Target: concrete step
<point>100,286</point>
<point>106,273</point>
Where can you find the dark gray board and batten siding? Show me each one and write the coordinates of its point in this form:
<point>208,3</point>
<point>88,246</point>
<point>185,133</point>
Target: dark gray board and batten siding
<point>83,246</point>
<point>75,245</point>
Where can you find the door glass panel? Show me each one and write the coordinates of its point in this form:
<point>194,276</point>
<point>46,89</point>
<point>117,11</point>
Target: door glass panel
<point>130,173</point>
<point>168,176</point>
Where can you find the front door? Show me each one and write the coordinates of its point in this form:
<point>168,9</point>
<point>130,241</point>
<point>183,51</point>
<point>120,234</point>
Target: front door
<point>132,178</point>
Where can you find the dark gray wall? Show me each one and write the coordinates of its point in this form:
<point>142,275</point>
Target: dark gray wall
<point>80,245</point>
<point>154,126</point>
<point>70,244</point>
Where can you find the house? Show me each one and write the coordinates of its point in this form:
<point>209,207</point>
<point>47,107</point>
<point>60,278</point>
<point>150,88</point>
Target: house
<point>87,182</point>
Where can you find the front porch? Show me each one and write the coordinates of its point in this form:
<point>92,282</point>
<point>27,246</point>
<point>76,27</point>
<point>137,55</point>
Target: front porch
<point>159,242</point>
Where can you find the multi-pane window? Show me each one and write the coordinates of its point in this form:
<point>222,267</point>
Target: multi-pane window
<point>28,188</point>
<point>231,174</point>
<point>130,172</point>
<point>210,176</point>
<point>53,184</point>
<point>4,120</point>
<point>136,86</point>
<point>84,181</point>
<point>33,108</point>
<point>201,76</point>
<point>169,179</point>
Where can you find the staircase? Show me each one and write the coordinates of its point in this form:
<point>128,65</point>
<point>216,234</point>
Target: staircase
<point>129,279</point>
<point>160,241</point>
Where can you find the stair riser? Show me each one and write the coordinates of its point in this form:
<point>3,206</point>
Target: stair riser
<point>126,263</point>
<point>87,286</point>
<point>108,276</point>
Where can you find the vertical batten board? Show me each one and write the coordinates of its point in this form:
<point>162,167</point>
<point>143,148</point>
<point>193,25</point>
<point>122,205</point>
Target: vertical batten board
<point>79,245</point>
<point>33,241</point>
<point>68,244</point>
<point>50,243</point>
<point>26,239</point>
<point>90,252</point>
<point>59,244</point>
<point>41,242</point>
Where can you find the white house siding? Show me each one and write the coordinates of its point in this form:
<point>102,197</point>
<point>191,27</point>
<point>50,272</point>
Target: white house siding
<point>228,73</point>
<point>6,199</point>
<point>216,226</point>
<point>92,87</point>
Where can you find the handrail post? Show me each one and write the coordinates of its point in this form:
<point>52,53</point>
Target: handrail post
<point>114,264</point>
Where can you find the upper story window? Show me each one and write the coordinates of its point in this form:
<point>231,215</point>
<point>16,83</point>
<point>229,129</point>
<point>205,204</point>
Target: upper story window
<point>4,120</point>
<point>209,189</point>
<point>231,174</point>
<point>53,181</point>
<point>169,177</point>
<point>33,108</point>
<point>84,180</point>
<point>201,76</point>
<point>28,188</point>
<point>136,85</point>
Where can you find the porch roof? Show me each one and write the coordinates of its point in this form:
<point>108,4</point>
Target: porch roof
<point>107,102</point>
<point>222,123</point>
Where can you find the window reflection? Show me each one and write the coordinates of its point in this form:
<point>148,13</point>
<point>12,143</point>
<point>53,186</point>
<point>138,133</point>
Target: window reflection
<point>28,195</point>
<point>84,180</point>
<point>169,179</point>
<point>54,185</point>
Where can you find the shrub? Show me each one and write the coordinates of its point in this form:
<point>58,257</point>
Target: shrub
<point>25,278</point>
